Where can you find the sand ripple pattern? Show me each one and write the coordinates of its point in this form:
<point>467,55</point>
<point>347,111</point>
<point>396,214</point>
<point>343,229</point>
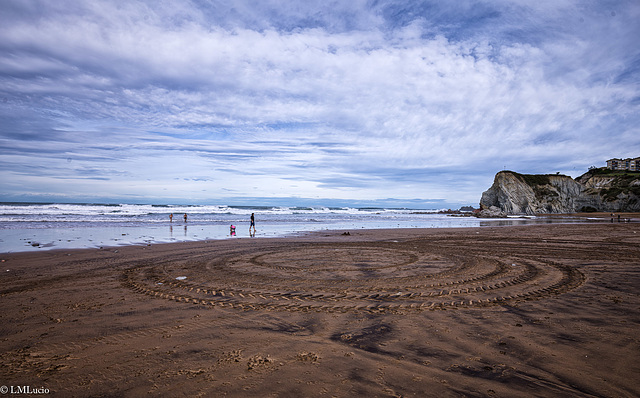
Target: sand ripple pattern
<point>382,277</point>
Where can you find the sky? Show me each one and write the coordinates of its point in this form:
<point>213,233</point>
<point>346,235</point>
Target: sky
<point>390,102</point>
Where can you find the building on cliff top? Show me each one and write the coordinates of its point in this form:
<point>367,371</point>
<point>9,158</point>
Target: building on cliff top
<point>631,164</point>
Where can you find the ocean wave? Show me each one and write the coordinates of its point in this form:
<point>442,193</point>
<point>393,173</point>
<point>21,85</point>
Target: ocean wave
<point>56,211</point>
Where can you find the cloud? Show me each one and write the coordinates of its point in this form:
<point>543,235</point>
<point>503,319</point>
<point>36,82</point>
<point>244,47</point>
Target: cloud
<point>359,100</point>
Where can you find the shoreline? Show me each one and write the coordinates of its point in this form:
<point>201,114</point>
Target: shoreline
<point>49,239</point>
<point>549,309</point>
<point>633,216</point>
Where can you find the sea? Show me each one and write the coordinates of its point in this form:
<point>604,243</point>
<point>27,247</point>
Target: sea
<point>45,226</point>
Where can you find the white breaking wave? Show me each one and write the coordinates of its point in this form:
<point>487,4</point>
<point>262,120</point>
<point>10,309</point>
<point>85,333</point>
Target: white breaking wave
<point>60,212</point>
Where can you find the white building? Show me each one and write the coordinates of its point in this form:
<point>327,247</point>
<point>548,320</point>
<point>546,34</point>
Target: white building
<point>631,164</point>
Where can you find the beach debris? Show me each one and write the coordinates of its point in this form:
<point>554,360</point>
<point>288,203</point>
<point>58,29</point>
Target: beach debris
<point>308,356</point>
<point>346,336</point>
<point>257,361</point>
<point>346,233</point>
<point>191,373</point>
<point>233,356</point>
<point>181,278</point>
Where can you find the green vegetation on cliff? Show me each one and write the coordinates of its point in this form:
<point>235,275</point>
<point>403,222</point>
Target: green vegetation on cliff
<point>620,183</point>
<point>532,179</point>
<point>603,171</point>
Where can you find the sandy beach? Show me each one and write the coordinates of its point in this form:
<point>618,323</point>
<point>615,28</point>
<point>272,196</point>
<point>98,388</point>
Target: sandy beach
<point>541,311</point>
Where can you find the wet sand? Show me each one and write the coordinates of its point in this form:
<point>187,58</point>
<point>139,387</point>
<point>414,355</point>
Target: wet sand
<point>543,310</point>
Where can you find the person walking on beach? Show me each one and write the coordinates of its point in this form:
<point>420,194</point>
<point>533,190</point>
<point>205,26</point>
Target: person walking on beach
<point>171,217</point>
<point>185,217</point>
<point>253,224</point>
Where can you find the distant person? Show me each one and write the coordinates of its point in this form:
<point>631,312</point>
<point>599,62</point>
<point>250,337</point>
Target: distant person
<point>185,217</point>
<point>232,230</point>
<point>171,217</point>
<point>253,224</point>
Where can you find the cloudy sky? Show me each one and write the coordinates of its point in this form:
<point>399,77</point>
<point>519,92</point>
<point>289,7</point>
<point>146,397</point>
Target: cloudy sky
<point>209,101</point>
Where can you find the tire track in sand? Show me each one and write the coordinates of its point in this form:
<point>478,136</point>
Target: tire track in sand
<point>373,278</point>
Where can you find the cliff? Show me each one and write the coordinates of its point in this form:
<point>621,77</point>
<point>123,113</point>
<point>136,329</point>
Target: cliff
<point>596,190</point>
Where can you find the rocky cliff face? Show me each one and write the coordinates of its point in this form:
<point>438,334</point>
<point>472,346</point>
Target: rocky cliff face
<point>596,190</point>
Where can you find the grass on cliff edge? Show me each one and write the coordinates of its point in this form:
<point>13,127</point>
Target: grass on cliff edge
<point>603,171</point>
<point>623,177</point>
<point>533,179</point>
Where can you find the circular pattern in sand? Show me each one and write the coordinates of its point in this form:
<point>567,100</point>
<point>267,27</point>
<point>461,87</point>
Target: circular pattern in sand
<point>344,263</point>
<point>371,277</point>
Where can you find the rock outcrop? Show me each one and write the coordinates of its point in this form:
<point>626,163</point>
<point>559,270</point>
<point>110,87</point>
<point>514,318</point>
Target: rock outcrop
<point>596,190</point>
<point>492,212</point>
